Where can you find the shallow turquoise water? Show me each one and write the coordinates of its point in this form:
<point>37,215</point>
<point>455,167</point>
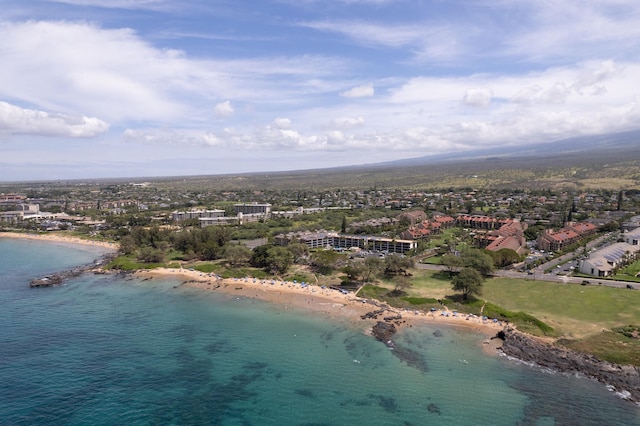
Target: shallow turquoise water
<point>113,350</point>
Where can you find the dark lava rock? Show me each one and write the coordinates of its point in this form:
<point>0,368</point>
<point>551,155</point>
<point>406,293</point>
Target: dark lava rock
<point>61,277</point>
<point>623,379</point>
<point>384,331</point>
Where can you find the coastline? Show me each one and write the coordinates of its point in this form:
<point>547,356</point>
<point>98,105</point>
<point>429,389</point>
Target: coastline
<point>59,239</point>
<point>318,299</point>
<point>363,314</point>
<point>311,297</point>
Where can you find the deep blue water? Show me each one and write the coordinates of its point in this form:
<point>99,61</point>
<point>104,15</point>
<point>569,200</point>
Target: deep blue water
<point>107,350</point>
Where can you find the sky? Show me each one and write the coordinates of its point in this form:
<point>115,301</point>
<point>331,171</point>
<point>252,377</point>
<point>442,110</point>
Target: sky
<point>136,88</point>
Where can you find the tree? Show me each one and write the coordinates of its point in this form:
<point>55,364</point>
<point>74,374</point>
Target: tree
<point>325,261</point>
<point>402,283</point>
<point>298,250</point>
<point>478,260</point>
<point>278,259</point>
<point>343,227</point>
<point>259,256</point>
<point>620,199</point>
<point>151,255</point>
<point>504,257</point>
<point>395,264</point>
<point>452,262</point>
<point>237,254</point>
<point>211,251</point>
<point>356,271</point>
<point>468,281</point>
<point>127,245</point>
<point>373,265</point>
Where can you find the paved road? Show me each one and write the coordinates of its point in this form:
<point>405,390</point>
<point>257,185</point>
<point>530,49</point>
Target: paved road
<point>563,279</point>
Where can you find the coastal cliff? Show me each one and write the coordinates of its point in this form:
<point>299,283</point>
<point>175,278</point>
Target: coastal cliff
<point>622,379</point>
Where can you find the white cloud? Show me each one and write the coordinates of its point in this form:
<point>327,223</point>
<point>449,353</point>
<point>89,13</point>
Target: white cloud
<point>526,95</point>
<point>575,30</point>
<point>362,91</point>
<point>348,122</point>
<point>128,79</point>
<point>282,123</point>
<point>480,97</point>
<point>223,109</point>
<point>16,120</point>
<point>556,94</point>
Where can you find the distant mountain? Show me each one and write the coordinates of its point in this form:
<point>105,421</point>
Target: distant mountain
<point>617,146</point>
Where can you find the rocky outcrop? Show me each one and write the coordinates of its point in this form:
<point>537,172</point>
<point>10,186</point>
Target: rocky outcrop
<point>61,277</point>
<point>625,380</point>
<point>384,332</point>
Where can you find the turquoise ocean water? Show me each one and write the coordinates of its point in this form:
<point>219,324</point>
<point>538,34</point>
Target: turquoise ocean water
<point>109,350</point>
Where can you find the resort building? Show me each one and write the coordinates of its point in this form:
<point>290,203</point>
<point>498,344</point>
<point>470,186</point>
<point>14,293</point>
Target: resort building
<point>253,208</point>
<point>510,236</point>
<point>563,238</point>
<point>26,212</point>
<point>325,239</point>
<point>479,222</point>
<point>239,219</point>
<point>426,228</point>
<point>196,214</point>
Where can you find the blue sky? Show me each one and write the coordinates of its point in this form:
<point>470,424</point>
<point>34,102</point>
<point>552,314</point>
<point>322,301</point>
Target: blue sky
<point>130,88</point>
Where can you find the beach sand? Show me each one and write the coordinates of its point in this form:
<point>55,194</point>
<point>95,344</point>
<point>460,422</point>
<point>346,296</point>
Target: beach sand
<point>328,301</point>
<point>59,238</point>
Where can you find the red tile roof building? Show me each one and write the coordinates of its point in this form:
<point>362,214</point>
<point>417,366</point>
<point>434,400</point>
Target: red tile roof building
<point>510,236</point>
<point>563,238</point>
<point>480,222</point>
<point>426,228</point>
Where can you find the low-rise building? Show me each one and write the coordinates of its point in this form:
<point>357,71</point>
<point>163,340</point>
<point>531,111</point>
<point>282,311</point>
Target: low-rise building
<point>510,236</point>
<point>559,240</point>
<point>632,237</point>
<point>196,214</point>
<point>327,239</point>
<point>605,262</point>
<point>253,208</point>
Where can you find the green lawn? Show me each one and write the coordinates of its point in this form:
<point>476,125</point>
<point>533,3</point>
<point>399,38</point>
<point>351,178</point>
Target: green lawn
<point>573,310</point>
<point>584,317</point>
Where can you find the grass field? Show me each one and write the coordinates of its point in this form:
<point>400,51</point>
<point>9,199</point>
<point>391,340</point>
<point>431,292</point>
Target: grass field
<point>584,318</point>
<point>574,311</point>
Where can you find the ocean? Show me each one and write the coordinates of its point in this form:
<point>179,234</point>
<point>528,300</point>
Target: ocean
<point>114,350</point>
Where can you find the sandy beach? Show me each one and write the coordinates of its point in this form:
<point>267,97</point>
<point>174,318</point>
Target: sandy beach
<point>58,238</point>
<point>287,294</point>
<point>331,302</point>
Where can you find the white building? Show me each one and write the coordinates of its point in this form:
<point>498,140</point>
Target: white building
<point>27,212</point>
<point>632,237</point>
<point>196,214</point>
<point>604,262</point>
<point>253,208</point>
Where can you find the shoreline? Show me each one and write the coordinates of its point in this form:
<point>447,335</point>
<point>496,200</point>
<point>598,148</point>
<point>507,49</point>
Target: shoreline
<point>56,238</point>
<point>309,296</point>
<point>320,299</point>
